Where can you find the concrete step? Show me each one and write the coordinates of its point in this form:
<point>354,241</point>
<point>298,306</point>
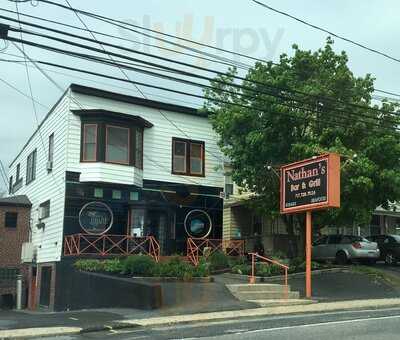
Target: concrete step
<point>282,302</point>
<point>258,287</point>
<point>244,296</point>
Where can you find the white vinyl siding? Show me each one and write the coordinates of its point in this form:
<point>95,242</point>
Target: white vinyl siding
<point>47,185</point>
<point>157,148</point>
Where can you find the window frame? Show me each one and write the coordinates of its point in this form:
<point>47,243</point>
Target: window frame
<point>101,141</point>
<point>31,170</point>
<point>18,173</point>
<point>44,205</point>
<point>16,220</point>
<point>188,145</point>
<point>50,156</point>
<point>174,141</point>
<point>128,162</point>
<point>84,158</point>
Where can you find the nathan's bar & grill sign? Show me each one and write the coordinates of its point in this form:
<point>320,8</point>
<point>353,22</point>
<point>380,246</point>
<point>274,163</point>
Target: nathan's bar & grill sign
<point>309,185</point>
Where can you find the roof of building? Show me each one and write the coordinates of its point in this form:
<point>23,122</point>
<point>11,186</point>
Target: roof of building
<point>92,91</point>
<point>16,201</point>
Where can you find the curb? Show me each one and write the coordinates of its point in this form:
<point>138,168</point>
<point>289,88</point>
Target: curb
<point>202,317</point>
<point>266,311</point>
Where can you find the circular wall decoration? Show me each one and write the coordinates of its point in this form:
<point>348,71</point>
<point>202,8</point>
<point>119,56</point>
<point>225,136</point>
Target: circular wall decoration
<point>198,224</point>
<point>96,218</point>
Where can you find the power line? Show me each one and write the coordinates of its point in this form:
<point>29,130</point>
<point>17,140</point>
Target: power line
<point>20,92</point>
<point>91,57</point>
<point>98,16</point>
<point>170,69</point>
<point>365,108</point>
<point>301,119</point>
<point>199,54</point>
<point>373,50</point>
<point>3,174</point>
<point>192,104</point>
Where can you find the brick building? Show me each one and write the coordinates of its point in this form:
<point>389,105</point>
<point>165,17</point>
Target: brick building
<point>14,231</point>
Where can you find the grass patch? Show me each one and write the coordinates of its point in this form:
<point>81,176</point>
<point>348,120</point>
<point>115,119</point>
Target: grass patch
<point>377,275</point>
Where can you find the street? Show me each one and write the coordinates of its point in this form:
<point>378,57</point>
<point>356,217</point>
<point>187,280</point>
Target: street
<point>365,324</point>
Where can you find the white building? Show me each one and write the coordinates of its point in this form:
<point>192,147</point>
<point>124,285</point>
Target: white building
<point>103,163</point>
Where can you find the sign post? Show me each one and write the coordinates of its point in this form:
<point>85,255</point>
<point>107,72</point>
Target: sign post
<point>309,185</point>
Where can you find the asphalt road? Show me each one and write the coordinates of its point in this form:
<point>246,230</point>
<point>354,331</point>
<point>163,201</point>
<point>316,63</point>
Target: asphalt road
<point>365,325</point>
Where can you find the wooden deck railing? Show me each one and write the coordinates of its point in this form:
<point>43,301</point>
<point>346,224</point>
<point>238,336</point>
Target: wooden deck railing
<point>196,248</point>
<point>110,245</point>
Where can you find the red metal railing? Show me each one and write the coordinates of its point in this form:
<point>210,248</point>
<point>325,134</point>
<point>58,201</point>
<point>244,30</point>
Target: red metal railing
<point>108,245</point>
<point>265,259</point>
<point>195,248</point>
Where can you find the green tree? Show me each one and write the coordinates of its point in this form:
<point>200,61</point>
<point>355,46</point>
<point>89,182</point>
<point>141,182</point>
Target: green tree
<point>261,121</point>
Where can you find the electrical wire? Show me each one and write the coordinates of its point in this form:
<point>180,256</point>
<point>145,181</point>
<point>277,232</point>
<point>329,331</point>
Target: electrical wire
<point>301,119</point>
<point>90,57</point>
<point>170,69</point>
<point>199,54</point>
<point>302,21</point>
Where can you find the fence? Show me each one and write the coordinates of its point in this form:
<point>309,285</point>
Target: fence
<point>110,245</point>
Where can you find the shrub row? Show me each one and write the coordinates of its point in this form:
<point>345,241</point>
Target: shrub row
<point>145,266</point>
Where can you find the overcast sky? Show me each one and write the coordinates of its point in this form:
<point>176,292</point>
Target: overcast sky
<point>238,25</point>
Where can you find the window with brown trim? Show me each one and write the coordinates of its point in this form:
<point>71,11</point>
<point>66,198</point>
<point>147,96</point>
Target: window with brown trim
<point>89,143</point>
<point>187,157</point>
<point>112,141</point>
<point>117,144</point>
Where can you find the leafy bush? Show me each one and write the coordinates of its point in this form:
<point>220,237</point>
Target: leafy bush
<point>237,260</point>
<point>242,269</point>
<point>202,270</point>
<point>218,260</point>
<point>174,268</point>
<point>89,265</point>
<point>113,266</point>
<point>139,265</point>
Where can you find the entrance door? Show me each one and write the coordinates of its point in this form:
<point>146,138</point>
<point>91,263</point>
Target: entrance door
<point>45,285</point>
<point>158,226</point>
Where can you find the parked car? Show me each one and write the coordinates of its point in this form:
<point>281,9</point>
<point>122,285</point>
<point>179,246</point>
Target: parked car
<point>344,249</point>
<point>389,246</point>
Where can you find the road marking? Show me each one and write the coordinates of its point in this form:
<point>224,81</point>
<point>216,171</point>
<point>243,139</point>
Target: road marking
<point>323,324</point>
<point>236,331</point>
<point>75,319</point>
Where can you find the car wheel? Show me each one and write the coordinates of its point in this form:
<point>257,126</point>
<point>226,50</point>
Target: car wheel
<point>341,258</point>
<point>390,259</point>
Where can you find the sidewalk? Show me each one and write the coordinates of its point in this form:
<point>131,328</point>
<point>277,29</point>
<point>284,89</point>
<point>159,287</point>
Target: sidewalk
<point>200,317</point>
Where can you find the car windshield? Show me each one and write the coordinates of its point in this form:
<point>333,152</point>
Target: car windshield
<point>397,238</point>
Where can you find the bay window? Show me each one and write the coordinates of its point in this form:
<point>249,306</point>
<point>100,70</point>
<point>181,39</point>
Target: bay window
<point>110,142</point>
